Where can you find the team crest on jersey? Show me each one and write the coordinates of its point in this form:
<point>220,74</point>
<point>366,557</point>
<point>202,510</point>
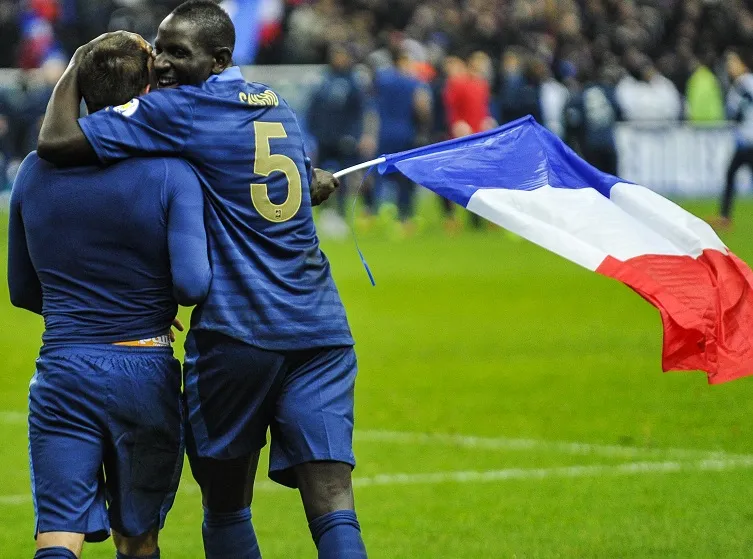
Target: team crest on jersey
<point>127,109</point>
<point>266,98</point>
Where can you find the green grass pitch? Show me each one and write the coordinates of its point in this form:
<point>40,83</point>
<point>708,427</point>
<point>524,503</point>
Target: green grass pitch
<point>509,404</point>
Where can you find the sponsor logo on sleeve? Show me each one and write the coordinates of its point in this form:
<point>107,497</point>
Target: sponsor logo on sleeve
<point>127,109</point>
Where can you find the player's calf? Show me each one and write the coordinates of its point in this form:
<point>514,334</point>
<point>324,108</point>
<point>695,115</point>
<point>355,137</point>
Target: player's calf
<point>227,492</point>
<point>142,547</point>
<point>59,545</point>
<point>56,545</point>
<point>327,494</point>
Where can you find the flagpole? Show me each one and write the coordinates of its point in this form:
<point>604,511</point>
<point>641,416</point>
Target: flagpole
<point>360,166</point>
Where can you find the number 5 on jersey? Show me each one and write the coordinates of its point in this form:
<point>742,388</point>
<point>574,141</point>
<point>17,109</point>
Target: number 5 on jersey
<point>265,164</point>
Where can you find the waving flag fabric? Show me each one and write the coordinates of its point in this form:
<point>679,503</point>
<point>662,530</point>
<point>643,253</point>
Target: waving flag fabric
<point>522,177</point>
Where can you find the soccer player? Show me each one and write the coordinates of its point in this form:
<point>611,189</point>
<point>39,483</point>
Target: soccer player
<point>404,107</point>
<point>105,255</point>
<point>270,346</point>
<point>739,109</point>
<point>340,118</point>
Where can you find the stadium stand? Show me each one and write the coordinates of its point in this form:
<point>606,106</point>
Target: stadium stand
<point>579,66</point>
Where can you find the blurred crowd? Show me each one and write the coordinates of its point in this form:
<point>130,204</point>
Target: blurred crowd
<point>402,73</point>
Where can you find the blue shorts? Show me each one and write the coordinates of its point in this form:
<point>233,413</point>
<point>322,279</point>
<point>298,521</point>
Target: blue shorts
<point>235,392</point>
<point>105,439</point>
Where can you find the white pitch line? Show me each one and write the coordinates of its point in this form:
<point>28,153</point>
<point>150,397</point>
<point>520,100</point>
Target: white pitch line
<point>499,443</point>
<point>631,468</point>
<point>487,476</point>
<point>503,443</point>
<point>13,417</point>
<point>15,499</point>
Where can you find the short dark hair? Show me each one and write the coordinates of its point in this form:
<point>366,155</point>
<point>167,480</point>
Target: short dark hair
<point>113,72</point>
<point>214,24</point>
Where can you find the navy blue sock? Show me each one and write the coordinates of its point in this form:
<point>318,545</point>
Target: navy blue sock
<point>119,555</point>
<point>338,535</point>
<point>54,553</point>
<point>229,535</point>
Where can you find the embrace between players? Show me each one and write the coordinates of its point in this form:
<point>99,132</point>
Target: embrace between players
<point>198,193</point>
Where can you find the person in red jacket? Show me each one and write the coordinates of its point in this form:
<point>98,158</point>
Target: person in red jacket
<point>466,98</point>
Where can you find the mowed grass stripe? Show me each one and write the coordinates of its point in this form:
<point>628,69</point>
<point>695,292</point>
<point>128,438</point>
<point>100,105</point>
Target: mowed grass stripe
<point>503,443</point>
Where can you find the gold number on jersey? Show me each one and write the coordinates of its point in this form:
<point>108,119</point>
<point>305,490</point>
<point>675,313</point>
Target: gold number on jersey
<point>267,163</point>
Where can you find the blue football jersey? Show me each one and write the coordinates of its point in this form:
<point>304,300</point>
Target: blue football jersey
<point>272,285</point>
<point>106,254</point>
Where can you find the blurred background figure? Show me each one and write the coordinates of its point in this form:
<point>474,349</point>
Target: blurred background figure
<point>344,125</point>
<point>404,107</point>
<point>644,94</point>
<point>739,109</point>
<point>591,116</point>
<point>466,99</point>
<point>518,94</point>
<point>703,92</point>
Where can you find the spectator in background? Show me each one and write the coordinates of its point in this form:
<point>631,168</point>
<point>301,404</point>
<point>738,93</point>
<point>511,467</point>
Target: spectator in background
<point>9,32</point>
<point>466,98</point>
<point>740,109</point>
<point>519,96</point>
<point>38,39</point>
<point>342,122</point>
<point>6,141</point>
<point>405,115</point>
<point>467,95</point>
<point>553,97</point>
<point>703,93</point>
<point>591,116</point>
<point>646,95</point>
<point>38,85</point>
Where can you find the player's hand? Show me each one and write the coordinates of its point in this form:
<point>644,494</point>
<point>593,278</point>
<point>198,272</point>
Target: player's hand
<point>323,186</point>
<point>178,325</point>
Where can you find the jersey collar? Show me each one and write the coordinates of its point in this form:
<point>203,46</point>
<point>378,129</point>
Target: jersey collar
<point>228,75</point>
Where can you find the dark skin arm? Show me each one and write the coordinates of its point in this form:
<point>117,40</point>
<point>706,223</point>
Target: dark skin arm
<point>63,143</point>
<point>61,140</point>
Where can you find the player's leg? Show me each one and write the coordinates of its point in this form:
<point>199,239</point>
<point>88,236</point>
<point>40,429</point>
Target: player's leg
<point>738,160</point>
<point>144,457</point>
<point>227,493</point>
<point>312,447</point>
<point>66,404</point>
<point>327,493</point>
<point>230,390</point>
<point>139,547</point>
<point>59,545</point>
<point>406,190</point>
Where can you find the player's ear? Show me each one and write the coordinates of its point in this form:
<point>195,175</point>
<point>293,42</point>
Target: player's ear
<point>223,58</point>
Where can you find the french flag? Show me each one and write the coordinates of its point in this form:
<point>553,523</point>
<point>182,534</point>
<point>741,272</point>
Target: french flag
<point>523,178</point>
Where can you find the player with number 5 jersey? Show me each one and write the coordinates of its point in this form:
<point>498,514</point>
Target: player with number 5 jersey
<point>272,286</point>
<point>270,347</point>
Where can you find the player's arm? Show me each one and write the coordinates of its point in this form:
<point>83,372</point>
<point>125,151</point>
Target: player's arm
<point>155,124</point>
<point>61,140</point>
<point>186,236</point>
<point>23,283</point>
